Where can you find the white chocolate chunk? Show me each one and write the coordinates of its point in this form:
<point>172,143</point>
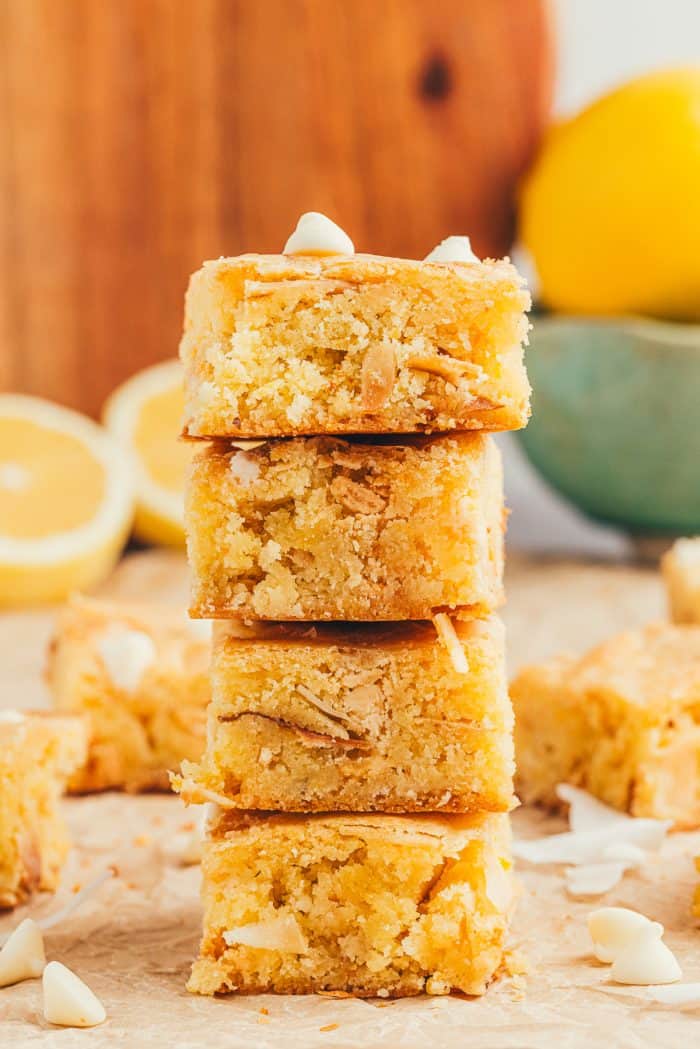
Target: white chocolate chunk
<point>277,934</point>
<point>23,956</point>
<point>646,960</point>
<point>612,929</point>
<point>318,235</point>
<point>126,655</point>
<point>244,468</point>
<point>68,1001</point>
<point>452,249</point>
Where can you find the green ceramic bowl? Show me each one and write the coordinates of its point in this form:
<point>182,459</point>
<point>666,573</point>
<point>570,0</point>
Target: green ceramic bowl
<point>616,419</point>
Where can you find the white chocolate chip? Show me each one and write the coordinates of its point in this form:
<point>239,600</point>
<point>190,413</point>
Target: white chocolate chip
<point>265,756</point>
<point>22,957</point>
<point>244,468</point>
<point>68,1001</point>
<point>452,249</point>
<point>318,235</point>
<point>126,655</point>
<point>646,960</point>
<point>612,930</point>
<point>281,933</point>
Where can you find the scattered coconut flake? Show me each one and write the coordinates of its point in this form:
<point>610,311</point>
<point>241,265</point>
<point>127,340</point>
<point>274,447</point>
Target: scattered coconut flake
<point>587,812</point>
<point>593,879</point>
<point>585,847</point>
<point>631,855</point>
<point>278,934</point>
<point>679,994</point>
<point>599,836</point>
<point>646,960</point>
<point>448,635</point>
<point>23,956</point>
<point>612,929</point>
<point>68,1001</point>
<point>126,655</point>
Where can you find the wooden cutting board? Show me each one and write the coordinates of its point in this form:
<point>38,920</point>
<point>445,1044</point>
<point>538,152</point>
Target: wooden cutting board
<point>139,137</point>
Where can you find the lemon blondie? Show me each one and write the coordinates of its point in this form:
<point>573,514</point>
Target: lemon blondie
<point>681,571</point>
<point>366,904</point>
<point>276,345</point>
<point>322,528</point>
<point>365,717</point>
<point>622,722</point>
<point>38,753</point>
<point>140,674</point>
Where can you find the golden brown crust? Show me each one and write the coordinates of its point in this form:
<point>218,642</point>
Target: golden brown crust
<point>404,346</point>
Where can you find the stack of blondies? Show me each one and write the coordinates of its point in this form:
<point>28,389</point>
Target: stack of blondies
<point>345,529</point>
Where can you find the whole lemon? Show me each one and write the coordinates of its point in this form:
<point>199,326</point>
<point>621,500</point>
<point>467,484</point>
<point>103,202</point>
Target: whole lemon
<point>610,212</point>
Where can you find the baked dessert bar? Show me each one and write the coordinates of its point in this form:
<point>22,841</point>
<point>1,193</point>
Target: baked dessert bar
<point>140,673</point>
<point>279,345</point>
<point>696,891</point>
<point>363,717</point>
<point>621,722</point>
<point>681,571</point>
<point>366,904</point>
<point>38,752</point>
<point>321,528</point>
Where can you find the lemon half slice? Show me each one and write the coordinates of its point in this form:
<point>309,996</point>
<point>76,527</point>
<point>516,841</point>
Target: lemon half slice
<point>145,415</point>
<point>66,501</point>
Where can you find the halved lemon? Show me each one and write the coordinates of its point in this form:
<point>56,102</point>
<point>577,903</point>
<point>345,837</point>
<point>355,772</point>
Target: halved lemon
<point>66,501</point>
<point>145,415</point>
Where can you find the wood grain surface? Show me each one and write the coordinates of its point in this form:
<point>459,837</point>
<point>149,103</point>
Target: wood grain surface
<point>138,137</point>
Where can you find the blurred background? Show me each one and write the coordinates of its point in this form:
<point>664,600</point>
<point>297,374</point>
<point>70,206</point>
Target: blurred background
<point>139,137</point>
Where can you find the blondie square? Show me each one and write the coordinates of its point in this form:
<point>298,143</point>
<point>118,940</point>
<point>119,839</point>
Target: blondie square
<point>38,753</point>
<point>365,904</point>
<point>279,346</point>
<point>140,674</point>
<point>621,722</point>
<point>321,528</point>
<point>360,717</point>
<point>681,572</point>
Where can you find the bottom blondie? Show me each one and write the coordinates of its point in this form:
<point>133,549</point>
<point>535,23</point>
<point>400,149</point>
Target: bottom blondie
<point>621,722</point>
<point>38,752</point>
<point>372,905</point>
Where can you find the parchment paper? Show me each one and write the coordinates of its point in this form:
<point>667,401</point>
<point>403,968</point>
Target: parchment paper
<point>133,941</point>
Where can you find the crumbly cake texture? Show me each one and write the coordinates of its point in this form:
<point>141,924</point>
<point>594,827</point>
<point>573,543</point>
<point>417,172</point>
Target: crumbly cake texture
<point>278,345</point>
<point>621,722</point>
<point>681,571</point>
<point>358,717</point>
<point>696,891</point>
<point>321,528</point>
<point>140,674</point>
<point>366,904</point>
<point>38,752</point>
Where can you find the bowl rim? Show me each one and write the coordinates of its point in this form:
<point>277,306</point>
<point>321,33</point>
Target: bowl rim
<point>683,333</point>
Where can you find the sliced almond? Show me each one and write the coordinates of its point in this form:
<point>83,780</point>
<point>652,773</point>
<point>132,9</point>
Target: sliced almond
<point>278,934</point>
<point>448,368</point>
<point>448,635</point>
<point>68,1001</point>
<point>378,376</point>
<point>324,708</point>
<point>357,497</point>
<point>23,956</point>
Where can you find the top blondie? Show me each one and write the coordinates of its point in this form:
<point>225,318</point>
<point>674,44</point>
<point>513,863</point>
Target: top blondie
<point>320,340</point>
